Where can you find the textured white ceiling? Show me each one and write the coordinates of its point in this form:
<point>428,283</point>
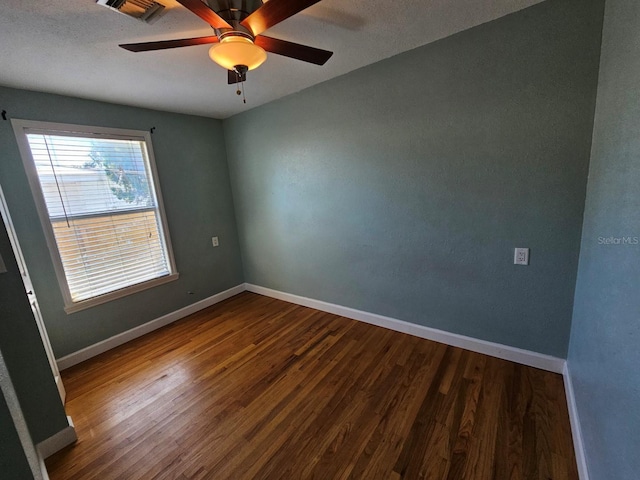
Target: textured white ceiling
<point>71,47</point>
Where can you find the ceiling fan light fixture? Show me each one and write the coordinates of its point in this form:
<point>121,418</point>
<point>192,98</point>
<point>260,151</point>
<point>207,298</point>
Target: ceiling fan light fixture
<point>237,50</point>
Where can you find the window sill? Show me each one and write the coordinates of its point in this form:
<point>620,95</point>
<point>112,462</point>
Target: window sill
<point>107,297</point>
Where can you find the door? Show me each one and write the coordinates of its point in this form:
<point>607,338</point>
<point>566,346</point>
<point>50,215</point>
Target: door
<point>33,301</point>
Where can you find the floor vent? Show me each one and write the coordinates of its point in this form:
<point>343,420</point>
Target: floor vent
<point>146,10</point>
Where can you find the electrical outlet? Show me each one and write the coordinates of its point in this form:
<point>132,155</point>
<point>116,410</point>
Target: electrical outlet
<point>521,256</point>
<point>214,241</point>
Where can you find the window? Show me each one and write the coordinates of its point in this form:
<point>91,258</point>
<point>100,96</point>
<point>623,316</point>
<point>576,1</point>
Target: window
<point>99,202</point>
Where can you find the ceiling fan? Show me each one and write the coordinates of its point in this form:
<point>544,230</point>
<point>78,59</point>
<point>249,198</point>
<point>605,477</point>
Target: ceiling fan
<point>239,45</point>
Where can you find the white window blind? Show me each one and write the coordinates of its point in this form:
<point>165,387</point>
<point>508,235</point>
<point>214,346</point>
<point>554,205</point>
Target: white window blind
<point>102,207</point>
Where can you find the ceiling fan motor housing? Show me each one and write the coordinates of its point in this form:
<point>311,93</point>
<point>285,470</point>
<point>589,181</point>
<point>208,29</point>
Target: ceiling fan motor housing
<point>234,12</point>
<point>241,70</point>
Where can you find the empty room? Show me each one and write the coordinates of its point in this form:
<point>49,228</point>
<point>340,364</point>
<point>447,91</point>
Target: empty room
<point>292,239</point>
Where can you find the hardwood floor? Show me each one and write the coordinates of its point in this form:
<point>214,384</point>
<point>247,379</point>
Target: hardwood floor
<point>257,388</point>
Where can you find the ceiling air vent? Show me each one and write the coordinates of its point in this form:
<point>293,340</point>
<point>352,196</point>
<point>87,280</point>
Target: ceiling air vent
<point>145,10</point>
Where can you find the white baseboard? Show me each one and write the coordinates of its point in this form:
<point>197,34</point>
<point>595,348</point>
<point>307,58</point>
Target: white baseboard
<point>576,430</point>
<point>117,340</point>
<point>525,357</point>
<point>57,442</point>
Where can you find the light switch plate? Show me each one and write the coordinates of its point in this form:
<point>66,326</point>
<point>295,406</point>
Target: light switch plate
<point>521,256</point>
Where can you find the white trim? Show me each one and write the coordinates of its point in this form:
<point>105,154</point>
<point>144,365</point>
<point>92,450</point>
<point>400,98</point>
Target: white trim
<point>82,130</point>
<point>112,342</point>
<point>58,441</point>
<point>28,287</point>
<point>576,430</point>
<point>518,355</point>
<point>116,294</point>
<point>506,352</point>
<point>43,468</point>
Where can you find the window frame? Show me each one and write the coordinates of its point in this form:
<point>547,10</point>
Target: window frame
<point>21,128</point>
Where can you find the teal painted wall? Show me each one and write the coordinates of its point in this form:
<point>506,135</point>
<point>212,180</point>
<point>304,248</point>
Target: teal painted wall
<point>604,355</point>
<point>24,354</point>
<point>403,187</point>
<point>191,160</point>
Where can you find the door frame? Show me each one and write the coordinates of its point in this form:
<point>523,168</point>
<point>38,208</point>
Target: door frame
<point>29,291</point>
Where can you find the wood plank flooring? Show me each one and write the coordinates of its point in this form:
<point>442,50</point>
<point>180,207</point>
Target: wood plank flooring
<point>257,388</point>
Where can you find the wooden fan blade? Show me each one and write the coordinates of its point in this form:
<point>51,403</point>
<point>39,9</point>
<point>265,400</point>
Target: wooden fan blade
<point>232,77</point>
<point>164,44</point>
<point>293,50</point>
<point>205,13</point>
<point>274,12</point>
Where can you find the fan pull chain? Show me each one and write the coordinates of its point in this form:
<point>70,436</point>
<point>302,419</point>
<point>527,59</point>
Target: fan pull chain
<point>244,100</point>
<point>240,88</point>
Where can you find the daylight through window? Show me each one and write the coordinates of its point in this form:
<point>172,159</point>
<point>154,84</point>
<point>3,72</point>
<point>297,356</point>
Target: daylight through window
<point>105,218</point>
